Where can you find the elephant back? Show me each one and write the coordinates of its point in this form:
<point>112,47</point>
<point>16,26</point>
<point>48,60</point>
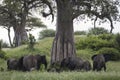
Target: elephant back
<point>99,58</point>
<point>29,62</point>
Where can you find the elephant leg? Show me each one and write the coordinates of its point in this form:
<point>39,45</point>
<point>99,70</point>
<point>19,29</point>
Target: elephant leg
<point>104,67</point>
<point>94,66</point>
<point>99,68</point>
<point>38,66</point>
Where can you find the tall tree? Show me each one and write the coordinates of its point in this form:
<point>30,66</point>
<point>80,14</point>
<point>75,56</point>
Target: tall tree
<point>4,21</point>
<point>68,10</point>
<point>18,12</point>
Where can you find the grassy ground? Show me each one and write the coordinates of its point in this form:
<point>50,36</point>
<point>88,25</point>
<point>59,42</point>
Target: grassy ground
<point>44,47</point>
<point>38,75</point>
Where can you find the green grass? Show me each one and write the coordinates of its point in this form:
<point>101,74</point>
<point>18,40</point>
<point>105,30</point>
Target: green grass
<point>44,47</point>
<point>37,75</point>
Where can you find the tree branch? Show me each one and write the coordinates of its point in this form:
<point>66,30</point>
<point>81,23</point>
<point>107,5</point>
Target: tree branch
<point>51,10</point>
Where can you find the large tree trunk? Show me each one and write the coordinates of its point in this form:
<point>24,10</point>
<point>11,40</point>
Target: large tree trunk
<point>19,30</point>
<point>20,35</point>
<point>63,44</point>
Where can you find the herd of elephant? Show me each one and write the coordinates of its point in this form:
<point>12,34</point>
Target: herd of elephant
<point>33,62</point>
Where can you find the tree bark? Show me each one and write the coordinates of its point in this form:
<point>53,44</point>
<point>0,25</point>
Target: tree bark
<point>63,44</point>
<point>20,35</point>
<point>9,37</point>
<point>19,30</point>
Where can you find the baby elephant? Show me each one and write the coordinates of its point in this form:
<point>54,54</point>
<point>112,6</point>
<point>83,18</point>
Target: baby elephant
<point>98,62</point>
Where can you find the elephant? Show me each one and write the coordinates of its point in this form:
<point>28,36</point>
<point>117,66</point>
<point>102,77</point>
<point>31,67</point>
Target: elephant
<point>31,62</point>
<point>75,63</point>
<point>12,64</point>
<point>99,62</point>
<point>86,65</point>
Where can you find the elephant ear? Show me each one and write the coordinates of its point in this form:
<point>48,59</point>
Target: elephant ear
<point>20,63</point>
<point>93,56</point>
<point>108,57</point>
<point>43,58</point>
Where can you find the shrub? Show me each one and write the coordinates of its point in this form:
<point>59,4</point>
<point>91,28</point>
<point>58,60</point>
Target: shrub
<point>46,33</point>
<point>2,54</point>
<point>117,40</point>
<point>113,51</point>
<point>79,33</point>
<point>3,44</point>
<point>97,31</point>
<point>32,41</point>
<point>106,36</point>
<point>94,43</point>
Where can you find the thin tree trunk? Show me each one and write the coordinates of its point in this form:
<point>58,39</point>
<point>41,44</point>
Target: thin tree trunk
<point>9,37</point>
<point>63,44</point>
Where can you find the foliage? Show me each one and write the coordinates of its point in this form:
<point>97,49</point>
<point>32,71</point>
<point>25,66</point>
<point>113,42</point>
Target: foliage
<point>85,53</point>
<point>18,14</point>
<point>2,54</point>
<point>107,37</point>
<point>97,31</point>
<point>46,33</point>
<point>79,33</point>
<point>31,41</point>
<point>117,40</point>
<point>113,51</point>
<point>3,44</point>
<point>34,22</point>
<point>94,42</point>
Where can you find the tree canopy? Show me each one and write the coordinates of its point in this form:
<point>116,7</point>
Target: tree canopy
<point>18,14</point>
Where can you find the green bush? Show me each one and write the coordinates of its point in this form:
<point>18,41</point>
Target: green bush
<point>93,42</point>
<point>97,31</point>
<point>79,33</point>
<point>117,41</point>
<point>106,36</point>
<point>3,44</point>
<point>32,41</point>
<point>113,51</point>
<point>46,33</point>
<point>2,54</point>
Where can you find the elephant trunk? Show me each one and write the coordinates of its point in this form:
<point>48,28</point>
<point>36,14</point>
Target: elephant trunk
<point>45,64</point>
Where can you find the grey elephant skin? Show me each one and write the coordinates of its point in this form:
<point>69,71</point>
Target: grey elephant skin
<point>75,63</point>
<point>99,61</point>
<point>27,63</point>
<point>12,64</point>
<point>31,62</point>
